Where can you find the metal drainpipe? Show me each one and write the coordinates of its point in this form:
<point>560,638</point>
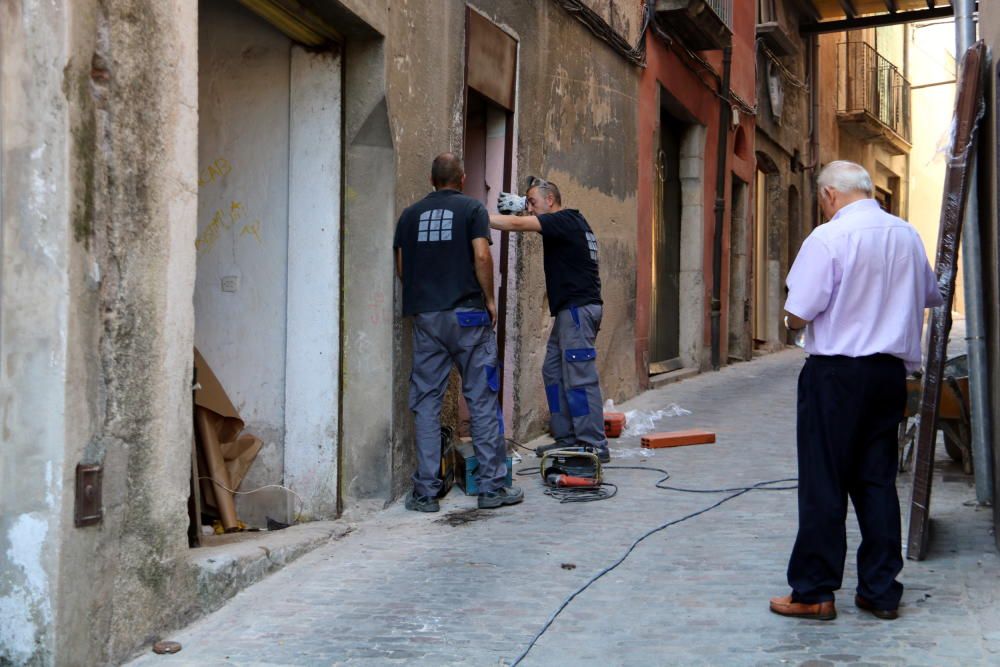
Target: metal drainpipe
<point>982,457</point>
<point>814,124</point>
<point>720,204</point>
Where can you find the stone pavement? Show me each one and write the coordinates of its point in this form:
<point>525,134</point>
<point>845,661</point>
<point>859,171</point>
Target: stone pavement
<point>464,587</point>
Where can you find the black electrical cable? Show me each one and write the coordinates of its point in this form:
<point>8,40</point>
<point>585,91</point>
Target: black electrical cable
<point>582,494</point>
<point>519,445</point>
<point>739,491</point>
<point>666,475</point>
<point>605,32</point>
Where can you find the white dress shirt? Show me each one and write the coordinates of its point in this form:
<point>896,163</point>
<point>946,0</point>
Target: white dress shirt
<point>862,280</point>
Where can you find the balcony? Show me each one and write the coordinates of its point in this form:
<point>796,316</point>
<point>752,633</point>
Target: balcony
<point>873,98</point>
<point>702,25</point>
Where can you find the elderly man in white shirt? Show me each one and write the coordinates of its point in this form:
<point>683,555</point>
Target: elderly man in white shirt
<point>859,285</point>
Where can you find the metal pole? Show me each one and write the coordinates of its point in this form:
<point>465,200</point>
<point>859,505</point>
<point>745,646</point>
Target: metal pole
<point>982,456</point>
<point>720,206</point>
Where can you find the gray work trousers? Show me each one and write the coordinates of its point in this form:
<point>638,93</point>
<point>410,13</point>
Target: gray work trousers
<point>572,387</point>
<point>465,337</point>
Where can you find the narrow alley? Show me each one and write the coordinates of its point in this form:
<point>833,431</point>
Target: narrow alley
<point>474,587</point>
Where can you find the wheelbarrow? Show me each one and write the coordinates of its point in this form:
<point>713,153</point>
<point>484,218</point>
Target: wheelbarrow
<point>953,415</point>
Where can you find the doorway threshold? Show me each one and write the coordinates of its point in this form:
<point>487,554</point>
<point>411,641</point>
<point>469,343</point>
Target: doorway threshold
<point>663,379</point>
<point>227,564</point>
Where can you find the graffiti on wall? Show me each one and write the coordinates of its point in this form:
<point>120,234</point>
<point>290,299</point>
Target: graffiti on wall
<point>231,216</point>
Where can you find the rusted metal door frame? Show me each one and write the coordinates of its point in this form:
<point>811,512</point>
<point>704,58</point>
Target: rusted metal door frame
<point>503,96</point>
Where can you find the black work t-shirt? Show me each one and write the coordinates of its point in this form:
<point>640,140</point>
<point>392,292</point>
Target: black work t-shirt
<point>570,257</point>
<point>435,236</point>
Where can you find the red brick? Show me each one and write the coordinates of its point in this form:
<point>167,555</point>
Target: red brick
<point>677,438</point>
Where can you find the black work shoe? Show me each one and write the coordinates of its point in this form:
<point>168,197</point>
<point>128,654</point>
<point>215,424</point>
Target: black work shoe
<point>505,496</point>
<point>603,454</point>
<point>884,614</point>
<point>421,503</point>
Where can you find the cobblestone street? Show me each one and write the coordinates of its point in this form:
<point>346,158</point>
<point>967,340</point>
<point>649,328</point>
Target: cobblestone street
<point>464,587</point>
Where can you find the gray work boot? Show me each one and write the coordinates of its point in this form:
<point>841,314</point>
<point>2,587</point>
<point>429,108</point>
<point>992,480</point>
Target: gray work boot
<point>421,503</point>
<point>500,497</point>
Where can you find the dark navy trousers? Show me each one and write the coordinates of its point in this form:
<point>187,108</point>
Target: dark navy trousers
<point>849,409</point>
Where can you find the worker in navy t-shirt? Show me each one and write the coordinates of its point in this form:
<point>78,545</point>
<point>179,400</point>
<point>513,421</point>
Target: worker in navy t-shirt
<point>573,285</point>
<point>443,258</point>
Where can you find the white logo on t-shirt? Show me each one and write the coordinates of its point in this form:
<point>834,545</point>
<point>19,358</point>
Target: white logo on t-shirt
<point>435,226</point>
<point>592,244</point>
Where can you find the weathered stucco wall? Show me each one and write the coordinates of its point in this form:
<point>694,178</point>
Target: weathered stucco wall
<point>37,240</point>
<point>576,124</point>
<point>782,146</point>
<point>101,101</point>
<point>132,80</point>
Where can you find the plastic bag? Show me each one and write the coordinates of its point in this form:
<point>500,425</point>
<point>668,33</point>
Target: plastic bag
<point>641,422</point>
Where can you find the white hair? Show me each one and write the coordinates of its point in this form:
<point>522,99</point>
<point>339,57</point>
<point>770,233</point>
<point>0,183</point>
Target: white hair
<point>845,176</point>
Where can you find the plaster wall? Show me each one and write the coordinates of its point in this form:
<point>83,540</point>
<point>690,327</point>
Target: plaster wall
<point>132,86</point>
<point>575,125</point>
<point>37,240</point>
<point>99,144</point>
<point>783,153</point>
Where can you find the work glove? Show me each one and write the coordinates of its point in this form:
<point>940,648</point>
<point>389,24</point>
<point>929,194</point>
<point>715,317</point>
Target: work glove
<point>510,202</point>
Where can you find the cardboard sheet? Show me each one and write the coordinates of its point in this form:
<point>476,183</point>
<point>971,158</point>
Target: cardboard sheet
<point>238,449</point>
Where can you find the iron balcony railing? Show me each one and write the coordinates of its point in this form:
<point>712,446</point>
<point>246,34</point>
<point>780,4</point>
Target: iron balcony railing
<point>724,10</point>
<point>869,84</point>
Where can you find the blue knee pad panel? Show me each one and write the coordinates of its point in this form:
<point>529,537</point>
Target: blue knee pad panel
<point>581,354</point>
<point>493,378</point>
<point>552,395</point>
<point>579,406</point>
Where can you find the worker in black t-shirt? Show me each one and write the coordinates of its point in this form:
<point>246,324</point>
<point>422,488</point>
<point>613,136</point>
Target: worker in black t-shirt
<point>443,258</point>
<point>569,248</point>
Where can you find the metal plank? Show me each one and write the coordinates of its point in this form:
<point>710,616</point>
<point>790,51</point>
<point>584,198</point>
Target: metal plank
<point>969,109</point>
<point>491,60</point>
<point>876,20</point>
<point>848,8</point>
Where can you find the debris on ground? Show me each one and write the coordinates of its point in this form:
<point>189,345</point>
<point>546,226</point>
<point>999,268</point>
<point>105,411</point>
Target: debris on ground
<point>166,647</point>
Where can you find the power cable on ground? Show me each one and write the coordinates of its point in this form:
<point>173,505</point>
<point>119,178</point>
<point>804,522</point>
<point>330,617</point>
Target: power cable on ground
<point>735,492</point>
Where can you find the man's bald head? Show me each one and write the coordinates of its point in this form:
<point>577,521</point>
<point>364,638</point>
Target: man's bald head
<point>447,172</point>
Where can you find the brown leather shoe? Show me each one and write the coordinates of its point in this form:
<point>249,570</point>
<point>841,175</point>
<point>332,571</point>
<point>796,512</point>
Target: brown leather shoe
<point>884,614</point>
<point>820,611</point>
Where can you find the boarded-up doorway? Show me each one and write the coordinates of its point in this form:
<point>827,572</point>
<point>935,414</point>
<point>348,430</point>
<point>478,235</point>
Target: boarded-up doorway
<point>491,72</point>
<point>664,339</point>
<point>268,276</point>
<point>762,216</point>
